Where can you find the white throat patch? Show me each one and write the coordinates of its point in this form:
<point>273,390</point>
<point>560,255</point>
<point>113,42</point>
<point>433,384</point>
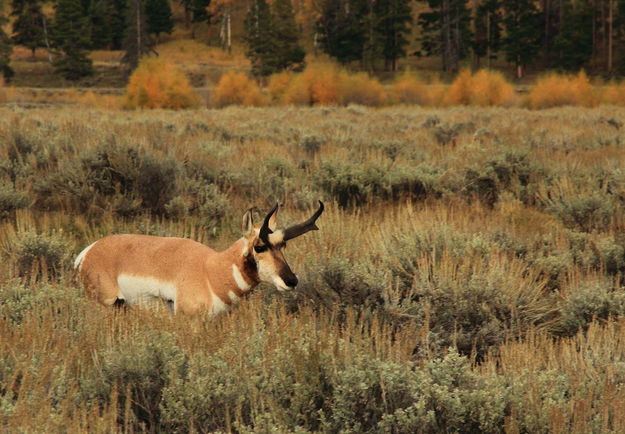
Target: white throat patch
<point>238,278</point>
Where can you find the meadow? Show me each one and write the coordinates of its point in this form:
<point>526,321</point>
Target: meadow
<point>467,275</point>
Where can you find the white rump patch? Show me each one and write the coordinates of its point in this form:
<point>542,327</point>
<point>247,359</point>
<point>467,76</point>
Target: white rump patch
<point>218,305</point>
<point>136,289</point>
<point>81,257</point>
<point>238,278</point>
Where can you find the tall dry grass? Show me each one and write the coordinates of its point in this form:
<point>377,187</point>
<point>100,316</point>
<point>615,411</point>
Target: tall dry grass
<point>458,281</point>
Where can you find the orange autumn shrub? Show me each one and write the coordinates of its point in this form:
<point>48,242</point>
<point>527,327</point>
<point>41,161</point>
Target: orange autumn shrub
<point>459,93</point>
<point>484,88</point>
<point>408,89</point>
<point>326,84</point>
<point>278,84</point>
<point>556,90</point>
<point>361,89</point>
<point>237,88</point>
<point>614,94</point>
<point>159,84</point>
<point>490,88</point>
<point>318,84</point>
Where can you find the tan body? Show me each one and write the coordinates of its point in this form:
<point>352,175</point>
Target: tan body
<point>201,278</point>
<point>188,276</point>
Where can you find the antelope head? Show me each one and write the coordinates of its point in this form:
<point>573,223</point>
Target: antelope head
<point>266,243</point>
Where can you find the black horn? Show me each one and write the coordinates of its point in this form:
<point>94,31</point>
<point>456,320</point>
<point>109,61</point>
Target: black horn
<point>264,229</point>
<point>302,228</point>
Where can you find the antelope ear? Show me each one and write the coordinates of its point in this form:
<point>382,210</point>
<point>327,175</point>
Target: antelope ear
<point>248,222</point>
<point>273,221</point>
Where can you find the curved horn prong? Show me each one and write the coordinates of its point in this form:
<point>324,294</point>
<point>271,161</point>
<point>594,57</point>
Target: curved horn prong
<point>302,228</point>
<point>264,229</point>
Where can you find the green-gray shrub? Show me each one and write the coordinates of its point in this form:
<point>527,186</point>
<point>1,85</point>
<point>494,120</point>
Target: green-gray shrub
<point>11,200</point>
<point>586,211</point>
<point>587,302</point>
<point>18,300</point>
<point>203,397</point>
<point>40,255</point>
<point>357,184</point>
<point>444,396</point>
<point>140,368</point>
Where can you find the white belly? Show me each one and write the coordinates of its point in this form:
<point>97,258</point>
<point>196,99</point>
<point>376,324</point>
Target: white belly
<point>140,290</point>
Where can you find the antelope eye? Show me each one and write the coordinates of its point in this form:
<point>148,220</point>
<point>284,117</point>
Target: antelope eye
<point>260,249</point>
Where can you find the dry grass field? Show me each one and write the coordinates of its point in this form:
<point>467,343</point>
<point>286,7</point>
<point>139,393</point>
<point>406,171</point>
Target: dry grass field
<point>467,275</point>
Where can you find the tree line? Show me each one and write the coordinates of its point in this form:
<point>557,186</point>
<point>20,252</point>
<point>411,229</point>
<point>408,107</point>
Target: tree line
<point>372,34</point>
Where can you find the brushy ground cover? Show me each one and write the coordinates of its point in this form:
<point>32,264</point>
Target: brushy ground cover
<point>467,277</point>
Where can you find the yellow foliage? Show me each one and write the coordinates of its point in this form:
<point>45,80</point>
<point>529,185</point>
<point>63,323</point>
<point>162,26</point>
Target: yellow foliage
<point>278,84</point>
<point>485,88</point>
<point>490,88</point>
<point>159,84</point>
<point>459,93</point>
<point>316,85</point>
<point>326,84</point>
<point>556,90</point>
<point>236,88</point>
<point>408,89</point>
<point>614,94</point>
<point>361,89</point>
<point>90,99</point>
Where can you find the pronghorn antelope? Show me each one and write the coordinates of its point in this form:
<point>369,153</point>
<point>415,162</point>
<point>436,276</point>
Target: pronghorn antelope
<point>188,276</point>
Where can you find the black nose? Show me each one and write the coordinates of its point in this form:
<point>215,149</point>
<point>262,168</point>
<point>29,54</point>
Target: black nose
<point>291,281</point>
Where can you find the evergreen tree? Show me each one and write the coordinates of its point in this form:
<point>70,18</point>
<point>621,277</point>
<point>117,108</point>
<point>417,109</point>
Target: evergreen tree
<point>446,31</point>
<point>487,38</point>
<point>28,25</point>
<point>572,45</point>
<point>138,41</point>
<point>118,22</point>
<point>341,29</point>
<point>199,11</point>
<point>100,17</point>
<point>289,53</point>
<point>261,46</point>
<point>393,20</point>
<point>158,17</point>
<point>5,48</point>
<point>523,32</point>
<point>70,36</point>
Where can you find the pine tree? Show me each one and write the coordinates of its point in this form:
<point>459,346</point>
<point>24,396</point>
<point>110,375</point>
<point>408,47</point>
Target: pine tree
<point>138,41</point>
<point>70,36</point>
<point>158,17</point>
<point>28,25</point>
<point>289,53</point>
<point>118,23</point>
<point>261,46</point>
<point>572,45</point>
<point>446,32</point>
<point>523,32</point>
<point>341,29</point>
<point>100,17</point>
<point>5,48</point>
<point>199,11</point>
<point>487,37</point>
<point>393,18</point>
